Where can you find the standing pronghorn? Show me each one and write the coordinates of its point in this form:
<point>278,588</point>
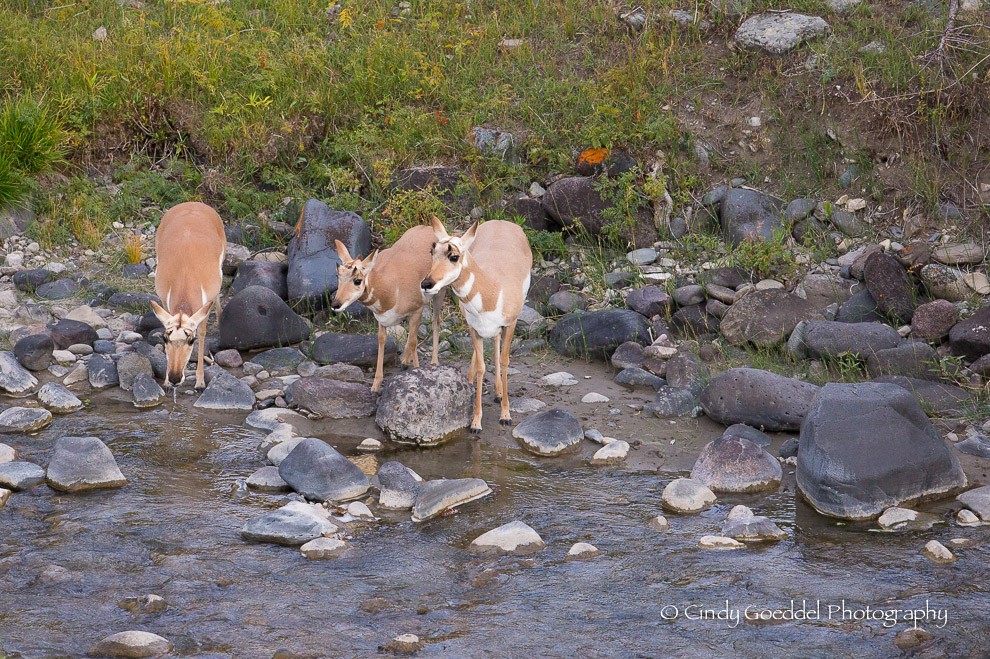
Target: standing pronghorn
<point>489,270</point>
<point>388,283</point>
<point>189,248</point>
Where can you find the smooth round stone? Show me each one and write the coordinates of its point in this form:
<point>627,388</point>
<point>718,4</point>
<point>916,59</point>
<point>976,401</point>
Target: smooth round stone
<point>270,418</point>
<point>80,349</point>
<point>644,256</point>
<point>24,419</point>
<point>58,399</point>
<point>277,453</point>
<point>734,464</point>
<point>132,644</point>
<point>321,548</point>
<point>20,475</point>
<point>611,453</point>
<point>659,523</point>
<point>359,510</point>
<point>63,357</point>
<point>582,550</point>
<point>719,542</point>
<point>550,433</point>
<point>937,552</point>
<point>370,445</point>
<point>894,517</point>
<point>967,518</point>
<point>267,479</point>
<point>594,397</point>
<point>516,538</point>
<point>684,495</point>
<point>559,379</point>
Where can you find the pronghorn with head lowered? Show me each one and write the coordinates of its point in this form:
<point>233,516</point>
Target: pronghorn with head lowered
<point>488,269</point>
<point>189,249</point>
<point>388,283</point>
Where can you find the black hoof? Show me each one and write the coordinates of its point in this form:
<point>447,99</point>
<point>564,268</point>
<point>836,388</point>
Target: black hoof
<point>474,431</point>
<point>505,422</point>
<point>200,390</point>
<point>498,399</point>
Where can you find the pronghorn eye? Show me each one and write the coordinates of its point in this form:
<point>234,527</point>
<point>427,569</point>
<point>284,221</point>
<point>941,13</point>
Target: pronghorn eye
<point>454,257</point>
<point>357,282</point>
<point>190,340</point>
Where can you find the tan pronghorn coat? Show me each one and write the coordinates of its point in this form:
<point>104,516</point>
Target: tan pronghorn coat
<point>189,250</point>
<point>488,268</point>
<point>388,283</point>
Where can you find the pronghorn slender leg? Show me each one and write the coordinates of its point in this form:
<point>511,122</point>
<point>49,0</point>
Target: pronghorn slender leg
<point>200,377</point>
<point>410,354</point>
<point>437,307</point>
<point>217,309</point>
<point>479,361</point>
<point>496,351</point>
<point>506,417</point>
<point>382,337</point>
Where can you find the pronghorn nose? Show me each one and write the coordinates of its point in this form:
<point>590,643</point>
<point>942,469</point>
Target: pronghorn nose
<point>428,284</point>
<point>334,305</point>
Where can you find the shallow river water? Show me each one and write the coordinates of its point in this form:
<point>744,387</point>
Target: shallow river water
<point>66,561</point>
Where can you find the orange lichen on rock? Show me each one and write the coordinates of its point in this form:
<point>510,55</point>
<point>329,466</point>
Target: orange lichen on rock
<point>592,157</point>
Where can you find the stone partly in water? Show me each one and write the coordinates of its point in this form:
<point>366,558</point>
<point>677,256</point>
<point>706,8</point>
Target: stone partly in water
<point>937,552</point>
<point>130,366</point>
<point>582,551</point>
<point>612,453</point>
<point>15,380</point>
<point>332,399</point>
<point>225,392</point>
<point>18,476</point>
<point>58,399</point>
<point>293,524</point>
<point>516,538</point>
<point>146,391</point>
<point>437,497</point>
<point>757,398</point>
<point>83,463</point>
<point>267,479</point>
<point>425,406</point>
<point>257,317</point>
<point>867,447</point>
<point>719,542</point>
<point>977,500</point>
<point>398,486</point>
<point>734,464</point>
<point>550,433</point>
<point>321,548</point>
<point>685,495</point>
<point>317,471</point>
<point>598,333</point>
<point>132,644</point>
<point>743,525</point>
<point>24,419</point>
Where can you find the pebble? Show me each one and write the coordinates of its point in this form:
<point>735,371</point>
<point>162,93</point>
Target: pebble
<point>611,453</point>
<point>132,643</point>
<point>360,510</point>
<point>683,495</point>
<point>408,643</point>
<point>515,538</point>
<point>937,552</point>
<point>659,523</point>
<point>719,542</point>
<point>559,379</point>
<point>369,444</point>
<point>323,548</point>
<point>7,453</point>
<point>594,397</point>
<point>582,550</point>
<point>967,518</point>
<point>895,517</point>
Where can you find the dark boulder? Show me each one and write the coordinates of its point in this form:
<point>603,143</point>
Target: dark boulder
<point>599,333</point>
<point>970,338</point>
<point>71,332</point>
<point>757,398</point>
<point>34,352</point>
<point>258,318</point>
<point>424,406</point>
<point>749,215</point>
<point>356,349</point>
<point>575,203</point>
<point>891,287</point>
<point>332,399</point>
<point>262,273</point>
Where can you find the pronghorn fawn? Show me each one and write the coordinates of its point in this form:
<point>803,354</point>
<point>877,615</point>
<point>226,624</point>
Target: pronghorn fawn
<point>189,249</point>
<point>489,270</point>
<point>388,283</point>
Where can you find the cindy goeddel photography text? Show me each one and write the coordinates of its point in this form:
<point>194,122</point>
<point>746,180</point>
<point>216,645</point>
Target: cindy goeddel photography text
<point>732,614</point>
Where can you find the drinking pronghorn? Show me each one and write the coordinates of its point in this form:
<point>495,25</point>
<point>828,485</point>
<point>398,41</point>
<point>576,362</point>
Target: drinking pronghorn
<point>189,249</point>
<point>488,269</point>
<point>388,283</point>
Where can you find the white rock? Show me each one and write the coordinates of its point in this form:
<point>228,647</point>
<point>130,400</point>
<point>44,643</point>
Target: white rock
<point>132,644</point>
<point>978,282</point>
<point>559,379</point>
<point>683,495</point>
<point>63,357</point>
<point>719,542</point>
<point>369,444</point>
<point>611,453</point>
<point>659,523</point>
<point>536,190</point>
<point>7,453</point>
<point>582,550</point>
<point>855,205</point>
<point>594,397</point>
<point>4,495</point>
<point>358,509</point>
<point>323,548</point>
<point>404,644</point>
<point>512,538</point>
<point>967,518</point>
<point>14,260</point>
<point>894,517</point>
<point>937,552</point>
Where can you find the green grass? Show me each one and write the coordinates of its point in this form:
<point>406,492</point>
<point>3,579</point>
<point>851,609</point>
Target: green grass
<point>32,135</point>
<point>14,188</point>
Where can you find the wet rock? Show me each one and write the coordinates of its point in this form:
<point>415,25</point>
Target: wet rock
<point>749,215</point>
<point>293,524</point>
<point>130,366</point>
<point>403,644</point>
<point>778,33</point>
<point>24,419</point>
<point>637,377</point>
<point>279,361</point>
<point>911,638</point>
<point>280,450</point>
<point>70,332</point>
<point>757,398</point>
<point>146,391</point>
<point>912,359</point>
<point>332,399</point>
<point>145,604</point>
<point>829,339</point>
<point>34,352</point>
<point>582,551</point>
<point>516,538</point>
<point>978,445</point>
<point>312,271</point>
<point>969,338</point>
<point>550,433</point>
<point>765,318</point>
<point>4,496</point>
<point>890,285</point>
<point>734,464</point>
<point>867,447</point>
<point>398,485</point>
<point>439,496</point>
<point>574,203</point>
<point>355,349</point>
<point>936,398</point>
<point>719,542</point>
<point>932,321</point>
<point>860,308</point>
<point>628,355</point>
<point>673,402</point>
<point>267,479</point>
<point>58,399</point>
<point>18,476</point>
<point>131,643</point>
<point>599,333</point>
<point>102,372</point>
<point>321,548</point>
<point>937,552</point>
<point>256,317</point>
<point>317,471</point>
<point>743,525</point>
<point>967,518</point>
<point>272,419</point>
<point>977,500</point>
<point>225,392</point>
<point>612,453</point>
<point>262,273</point>
<point>83,463</point>
<point>14,378</point>
<point>659,523</point>
<point>945,282</point>
<point>685,495</point>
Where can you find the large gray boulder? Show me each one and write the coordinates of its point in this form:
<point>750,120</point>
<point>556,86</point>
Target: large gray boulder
<point>829,339</point>
<point>424,406</point>
<point>355,349</point>
<point>867,447</point>
<point>332,399</point>
<point>750,215</point>
<point>599,333</point>
<point>83,463</point>
<point>757,398</point>
<point>575,203</point>
<point>317,471</point>
<point>256,317</point>
<point>765,318</point>
<point>312,274</point>
<point>779,33</point>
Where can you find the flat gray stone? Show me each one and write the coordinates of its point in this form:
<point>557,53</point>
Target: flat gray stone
<point>132,644</point>
<point>58,399</point>
<point>267,479</point>
<point>317,471</point>
<point>225,392</point>
<point>20,475</point>
<point>83,463</point>
<point>24,419</point>
<point>333,399</point>
<point>550,433</point>
<point>778,33</point>
<point>436,497</point>
<point>146,391</point>
<point>14,378</point>
<point>398,486</point>
<point>293,524</point>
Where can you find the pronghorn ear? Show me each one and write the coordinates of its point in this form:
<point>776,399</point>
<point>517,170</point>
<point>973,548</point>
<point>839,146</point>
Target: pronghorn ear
<point>342,252</point>
<point>441,233</point>
<point>369,261</point>
<point>468,237</point>
<point>160,313</point>
<point>201,315</point>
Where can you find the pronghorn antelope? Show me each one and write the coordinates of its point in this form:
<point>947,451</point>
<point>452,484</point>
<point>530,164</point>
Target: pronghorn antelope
<point>388,283</point>
<point>189,248</point>
<point>489,270</point>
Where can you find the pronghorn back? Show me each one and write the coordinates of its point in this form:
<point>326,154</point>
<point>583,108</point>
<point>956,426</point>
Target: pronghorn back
<point>395,279</point>
<point>501,250</point>
<point>189,247</point>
